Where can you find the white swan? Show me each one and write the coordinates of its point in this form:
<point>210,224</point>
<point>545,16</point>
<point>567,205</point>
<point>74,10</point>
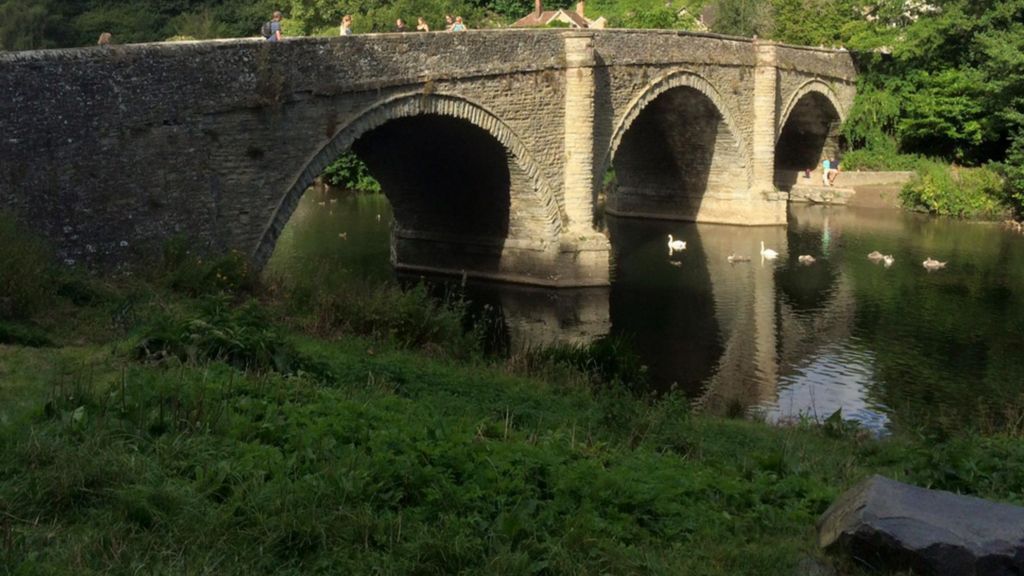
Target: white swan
<point>876,256</point>
<point>768,254</point>
<point>933,264</point>
<point>675,245</point>
<point>888,259</point>
<point>806,259</point>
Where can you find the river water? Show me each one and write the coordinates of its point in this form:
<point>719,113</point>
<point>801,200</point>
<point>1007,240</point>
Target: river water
<point>774,336</point>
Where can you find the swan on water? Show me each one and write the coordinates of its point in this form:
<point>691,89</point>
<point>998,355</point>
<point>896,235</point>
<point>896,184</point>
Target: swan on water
<point>806,259</point>
<point>674,245</point>
<point>933,264</point>
<point>888,259</point>
<point>733,258</point>
<point>876,256</point>
<point>768,254</point>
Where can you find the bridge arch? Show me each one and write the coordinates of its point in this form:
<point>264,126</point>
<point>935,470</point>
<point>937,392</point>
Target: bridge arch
<point>652,91</point>
<point>808,129</point>
<point>677,144</point>
<point>815,86</point>
<point>528,191</point>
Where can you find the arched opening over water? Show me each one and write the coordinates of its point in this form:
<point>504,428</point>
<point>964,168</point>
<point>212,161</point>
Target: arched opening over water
<point>675,150</point>
<point>461,184</point>
<point>442,175</point>
<point>809,134</point>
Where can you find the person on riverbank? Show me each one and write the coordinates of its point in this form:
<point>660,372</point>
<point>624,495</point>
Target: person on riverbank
<point>833,171</point>
<point>458,26</point>
<point>422,26</point>
<point>275,27</point>
<point>449,22</point>
<point>826,165</point>
<point>346,25</point>
<point>399,25</point>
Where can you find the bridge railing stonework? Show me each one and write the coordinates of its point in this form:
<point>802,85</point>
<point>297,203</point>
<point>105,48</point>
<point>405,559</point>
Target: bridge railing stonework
<point>111,151</point>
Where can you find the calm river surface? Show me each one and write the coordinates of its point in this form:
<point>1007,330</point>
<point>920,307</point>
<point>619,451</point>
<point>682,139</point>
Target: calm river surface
<point>778,337</point>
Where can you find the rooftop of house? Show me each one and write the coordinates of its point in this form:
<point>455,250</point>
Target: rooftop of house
<point>545,17</point>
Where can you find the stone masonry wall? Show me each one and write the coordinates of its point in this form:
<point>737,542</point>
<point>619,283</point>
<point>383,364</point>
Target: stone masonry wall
<point>133,144</point>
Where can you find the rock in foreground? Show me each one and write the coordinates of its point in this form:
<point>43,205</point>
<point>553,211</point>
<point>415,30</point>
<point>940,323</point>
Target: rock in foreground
<point>897,526</point>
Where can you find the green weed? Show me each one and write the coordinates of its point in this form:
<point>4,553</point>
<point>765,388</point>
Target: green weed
<point>26,271</point>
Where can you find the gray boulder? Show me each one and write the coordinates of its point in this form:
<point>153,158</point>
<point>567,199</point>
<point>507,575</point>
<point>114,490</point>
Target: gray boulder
<point>896,526</point>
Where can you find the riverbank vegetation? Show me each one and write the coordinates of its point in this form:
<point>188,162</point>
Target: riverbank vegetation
<point>193,418</point>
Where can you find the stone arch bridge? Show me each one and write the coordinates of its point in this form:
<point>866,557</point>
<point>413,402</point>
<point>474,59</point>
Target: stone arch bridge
<point>491,145</point>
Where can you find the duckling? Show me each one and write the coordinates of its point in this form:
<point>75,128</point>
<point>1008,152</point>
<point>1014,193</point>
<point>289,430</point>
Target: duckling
<point>334,200</point>
<point>676,263</point>
<point>675,245</point>
<point>888,259</point>
<point>343,235</point>
<point>876,256</point>
<point>931,264</point>
<point>768,254</point>
<point>806,259</point>
<point>734,258</point>
<point>321,203</point>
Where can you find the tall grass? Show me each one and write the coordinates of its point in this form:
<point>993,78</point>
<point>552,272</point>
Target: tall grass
<point>335,303</point>
<point>607,362</point>
<point>27,274</point>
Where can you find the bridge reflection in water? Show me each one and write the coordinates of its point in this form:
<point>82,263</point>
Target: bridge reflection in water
<point>734,337</point>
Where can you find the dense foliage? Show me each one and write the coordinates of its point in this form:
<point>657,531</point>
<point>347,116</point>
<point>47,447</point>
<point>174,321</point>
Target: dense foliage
<point>349,172</point>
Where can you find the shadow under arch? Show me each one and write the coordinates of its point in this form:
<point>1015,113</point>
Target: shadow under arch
<point>538,210</point>
<point>676,145</point>
<point>808,130</point>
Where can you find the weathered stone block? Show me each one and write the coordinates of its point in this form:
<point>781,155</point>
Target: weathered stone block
<point>934,533</point>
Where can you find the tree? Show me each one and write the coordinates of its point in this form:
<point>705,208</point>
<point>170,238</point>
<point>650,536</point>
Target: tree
<point>745,18</point>
<point>27,25</point>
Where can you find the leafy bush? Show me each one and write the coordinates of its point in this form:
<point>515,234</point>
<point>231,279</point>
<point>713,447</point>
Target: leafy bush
<point>26,271</point>
<point>408,317</point>
<point>607,360</point>
<point>244,337</point>
<point>958,192</point>
<point>188,271</point>
<point>880,160</point>
<point>349,172</point>
<point>24,335</point>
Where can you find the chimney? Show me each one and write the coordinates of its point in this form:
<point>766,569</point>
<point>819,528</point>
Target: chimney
<point>579,8</point>
<point>537,7</point>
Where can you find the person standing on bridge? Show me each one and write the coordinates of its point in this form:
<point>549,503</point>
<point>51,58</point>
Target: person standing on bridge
<point>399,25</point>
<point>448,22</point>
<point>422,26</point>
<point>458,26</point>
<point>346,25</point>
<point>275,27</point>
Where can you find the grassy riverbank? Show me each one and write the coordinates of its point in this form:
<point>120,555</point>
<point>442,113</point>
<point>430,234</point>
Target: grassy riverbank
<point>198,422</point>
